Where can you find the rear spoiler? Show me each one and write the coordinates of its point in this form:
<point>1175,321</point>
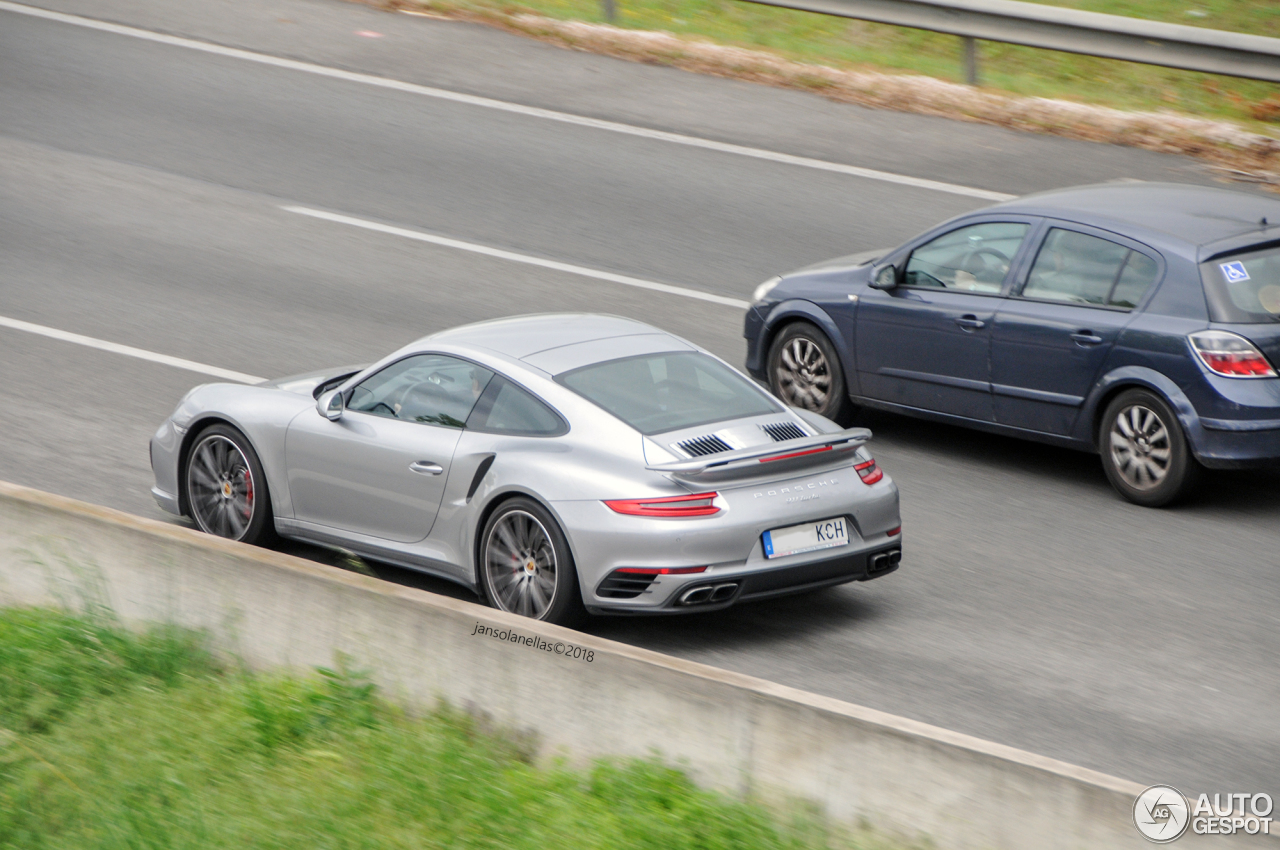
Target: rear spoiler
<point>787,455</point>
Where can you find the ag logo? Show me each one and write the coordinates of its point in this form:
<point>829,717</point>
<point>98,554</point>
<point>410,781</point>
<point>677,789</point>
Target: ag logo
<point>1161,814</point>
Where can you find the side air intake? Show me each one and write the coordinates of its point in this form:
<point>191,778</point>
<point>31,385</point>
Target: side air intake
<point>620,585</point>
<point>700,446</point>
<point>783,431</point>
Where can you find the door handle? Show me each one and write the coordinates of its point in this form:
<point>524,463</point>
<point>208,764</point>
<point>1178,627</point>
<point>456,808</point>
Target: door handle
<point>970,322</point>
<point>1086,338</point>
<point>426,467</point>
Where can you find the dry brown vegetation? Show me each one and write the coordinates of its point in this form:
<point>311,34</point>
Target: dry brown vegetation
<point>1237,153</point>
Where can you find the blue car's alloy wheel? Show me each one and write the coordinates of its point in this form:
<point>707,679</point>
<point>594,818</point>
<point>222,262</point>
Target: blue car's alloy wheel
<point>804,371</point>
<point>1143,449</point>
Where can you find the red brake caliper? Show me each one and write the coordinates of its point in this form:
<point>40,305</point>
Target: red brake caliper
<point>248,492</point>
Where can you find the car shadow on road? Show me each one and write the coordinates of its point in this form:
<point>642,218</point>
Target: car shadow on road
<point>754,625</point>
<point>751,624</point>
<point>1244,492</point>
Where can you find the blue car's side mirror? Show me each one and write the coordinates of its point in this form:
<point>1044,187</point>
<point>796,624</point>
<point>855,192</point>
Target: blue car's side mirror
<point>885,278</point>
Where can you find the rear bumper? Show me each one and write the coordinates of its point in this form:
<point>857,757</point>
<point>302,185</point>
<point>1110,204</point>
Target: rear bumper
<point>632,564</point>
<point>1237,444</point>
<point>717,590</point>
<point>1239,421</point>
<point>859,566</point>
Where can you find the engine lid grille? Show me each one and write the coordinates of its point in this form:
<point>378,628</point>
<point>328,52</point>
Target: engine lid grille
<point>780,431</point>
<point>708,444</point>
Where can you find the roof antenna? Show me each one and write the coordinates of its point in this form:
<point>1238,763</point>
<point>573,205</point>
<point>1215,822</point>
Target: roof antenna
<point>1264,221</point>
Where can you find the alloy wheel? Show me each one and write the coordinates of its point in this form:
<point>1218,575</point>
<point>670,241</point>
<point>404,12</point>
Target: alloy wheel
<point>220,487</point>
<point>521,564</point>
<point>1140,447</point>
<point>804,376</point>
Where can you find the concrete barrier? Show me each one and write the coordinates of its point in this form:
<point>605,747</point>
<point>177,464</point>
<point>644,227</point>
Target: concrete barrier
<point>730,731</point>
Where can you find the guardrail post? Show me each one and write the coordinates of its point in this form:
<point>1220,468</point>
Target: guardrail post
<point>610,13</point>
<point>970,58</point>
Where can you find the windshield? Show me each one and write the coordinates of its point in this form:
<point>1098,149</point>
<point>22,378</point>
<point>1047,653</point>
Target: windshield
<point>654,393</point>
<point>1244,288</point>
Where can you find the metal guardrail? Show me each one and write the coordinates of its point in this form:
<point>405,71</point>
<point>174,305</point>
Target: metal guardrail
<point>1068,30</point>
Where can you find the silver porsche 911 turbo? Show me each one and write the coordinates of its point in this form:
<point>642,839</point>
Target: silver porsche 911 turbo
<point>554,464</point>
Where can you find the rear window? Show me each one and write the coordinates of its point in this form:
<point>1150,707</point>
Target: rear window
<point>1244,288</point>
<point>654,393</point>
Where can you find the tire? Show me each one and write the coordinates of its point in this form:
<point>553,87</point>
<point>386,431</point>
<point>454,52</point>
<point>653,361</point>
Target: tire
<point>805,372</point>
<point>1144,452</point>
<point>225,487</point>
<point>523,557</point>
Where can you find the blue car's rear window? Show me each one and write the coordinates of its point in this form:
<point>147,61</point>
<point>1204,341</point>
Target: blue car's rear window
<point>654,393</point>
<point>1244,288</point>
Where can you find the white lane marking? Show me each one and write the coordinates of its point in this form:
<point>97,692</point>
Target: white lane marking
<point>527,259</point>
<point>504,106</point>
<point>129,351</point>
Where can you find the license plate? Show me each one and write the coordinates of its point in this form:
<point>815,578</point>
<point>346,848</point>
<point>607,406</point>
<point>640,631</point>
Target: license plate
<point>806,537</point>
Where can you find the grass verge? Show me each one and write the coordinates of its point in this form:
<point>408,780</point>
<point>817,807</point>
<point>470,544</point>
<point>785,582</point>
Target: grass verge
<point>119,741</point>
<point>860,46</point>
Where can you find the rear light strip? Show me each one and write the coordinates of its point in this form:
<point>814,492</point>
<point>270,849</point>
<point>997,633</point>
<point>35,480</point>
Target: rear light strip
<point>796,454</point>
<point>868,471</point>
<point>660,571</point>
<point>694,504</point>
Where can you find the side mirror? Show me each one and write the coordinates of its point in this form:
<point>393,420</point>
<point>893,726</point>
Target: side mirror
<point>330,405</point>
<point>886,278</point>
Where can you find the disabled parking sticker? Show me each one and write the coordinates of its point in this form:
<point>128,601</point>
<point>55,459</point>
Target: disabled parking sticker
<point>1234,272</point>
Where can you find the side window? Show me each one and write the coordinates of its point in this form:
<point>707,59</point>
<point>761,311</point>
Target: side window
<point>1084,269</point>
<point>507,409</point>
<point>972,259</point>
<point>429,388</point>
<point>1139,273</point>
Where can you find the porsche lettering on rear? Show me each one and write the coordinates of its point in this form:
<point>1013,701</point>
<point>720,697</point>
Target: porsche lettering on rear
<point>797,488</point>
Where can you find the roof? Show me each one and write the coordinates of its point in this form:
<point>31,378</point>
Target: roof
<point>520,337</point>
<point>1192,215</point>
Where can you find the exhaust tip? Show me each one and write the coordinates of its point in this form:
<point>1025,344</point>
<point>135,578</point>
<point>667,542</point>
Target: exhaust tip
<point>724,592</point>
<point>884,562</point>
<point>708,594</point>
<point>696,596</point>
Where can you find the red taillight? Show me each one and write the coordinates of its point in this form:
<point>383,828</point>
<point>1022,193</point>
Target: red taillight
<point>660,571</point>
<point>695,504</point>
<point>868,471</point>
<point>796,454</point>
<point>1236,365</point>
<point>894,532</point>
<point>1230,355</point>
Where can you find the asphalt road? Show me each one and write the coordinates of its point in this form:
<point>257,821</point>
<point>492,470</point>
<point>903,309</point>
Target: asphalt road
<point>142,188</point>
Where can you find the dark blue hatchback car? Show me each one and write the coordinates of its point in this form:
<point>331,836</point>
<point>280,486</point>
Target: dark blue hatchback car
<point>1140,321</point>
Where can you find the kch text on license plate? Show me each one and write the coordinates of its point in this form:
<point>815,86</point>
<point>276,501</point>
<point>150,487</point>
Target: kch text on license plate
<point>806,537</point>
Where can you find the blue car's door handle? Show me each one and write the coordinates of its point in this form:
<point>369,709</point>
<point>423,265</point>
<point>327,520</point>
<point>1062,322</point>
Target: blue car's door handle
<point>970,322</point>
<point>426,467</point>
<point>1086,338</point>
